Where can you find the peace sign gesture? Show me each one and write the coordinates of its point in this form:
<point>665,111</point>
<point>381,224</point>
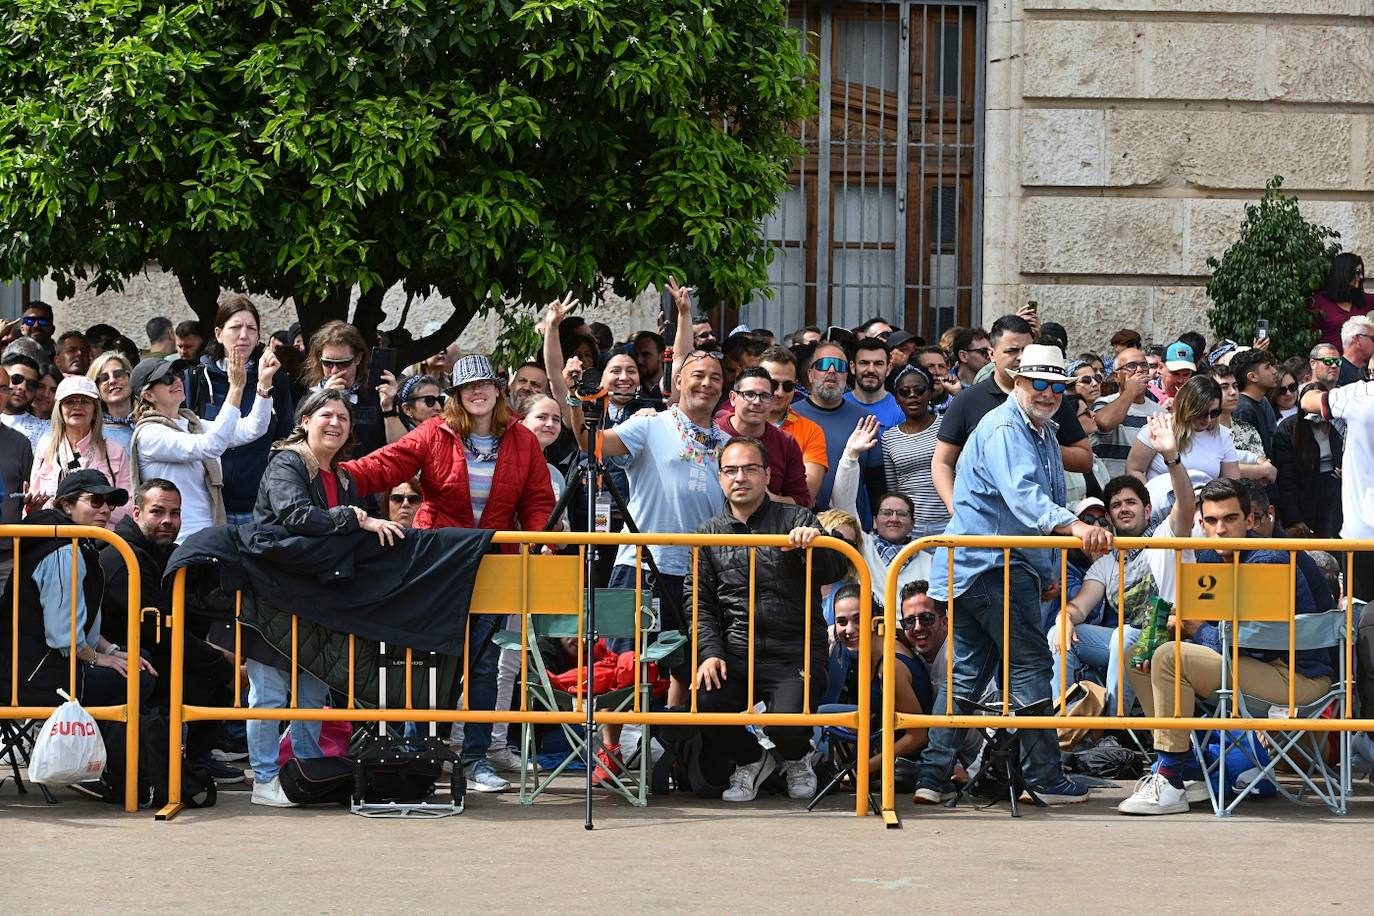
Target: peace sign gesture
<point>682,297</point>
<point>559,309</point>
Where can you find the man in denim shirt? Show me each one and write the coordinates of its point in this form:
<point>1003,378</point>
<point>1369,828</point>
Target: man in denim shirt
<point>1010,483</point>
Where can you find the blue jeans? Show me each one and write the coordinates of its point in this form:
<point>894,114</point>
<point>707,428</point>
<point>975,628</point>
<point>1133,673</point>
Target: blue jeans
<point>269,687</point>
<point>237,518</point>
<point>1095,652</point>
<point>480,690</point>
<point>977,659</point>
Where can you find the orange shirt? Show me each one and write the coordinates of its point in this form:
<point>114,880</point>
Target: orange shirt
<point>809,436</point>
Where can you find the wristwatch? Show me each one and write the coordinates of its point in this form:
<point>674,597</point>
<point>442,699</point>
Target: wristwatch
<point>1177,459</point>
<point>390,413</point>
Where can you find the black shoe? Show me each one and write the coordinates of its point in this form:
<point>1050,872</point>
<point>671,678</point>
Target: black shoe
<point>221,773</point>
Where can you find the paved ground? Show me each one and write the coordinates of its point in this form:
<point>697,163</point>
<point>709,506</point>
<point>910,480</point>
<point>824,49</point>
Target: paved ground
<point>768,857</point>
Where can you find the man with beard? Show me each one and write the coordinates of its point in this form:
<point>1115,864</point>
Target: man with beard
<point>870,374</point>
<point>1011,484</point>
<point>1149,575</point>
<point>837,418</point>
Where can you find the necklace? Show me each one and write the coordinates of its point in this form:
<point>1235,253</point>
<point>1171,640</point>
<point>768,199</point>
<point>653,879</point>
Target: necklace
<point>482,455</point>
<point>699,445</point>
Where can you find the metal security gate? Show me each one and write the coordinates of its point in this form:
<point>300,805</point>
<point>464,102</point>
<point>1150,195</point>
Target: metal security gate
<point>883,214</point>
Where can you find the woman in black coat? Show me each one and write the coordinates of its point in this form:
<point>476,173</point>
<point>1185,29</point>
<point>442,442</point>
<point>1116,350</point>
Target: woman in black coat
<point>1307,454</point>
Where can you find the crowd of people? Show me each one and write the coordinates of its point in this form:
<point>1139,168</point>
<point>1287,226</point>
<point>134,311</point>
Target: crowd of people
<point>871,434</point>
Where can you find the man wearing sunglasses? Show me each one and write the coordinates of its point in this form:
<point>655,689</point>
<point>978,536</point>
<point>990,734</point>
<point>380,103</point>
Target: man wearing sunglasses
<point>1011,484</point>
<point>1257,374</point>
<point>1325,363</point>
<point>16,462</point>
<point>1120,416</point>
<point>37,323</point>
<point>827,407</point>
<point>25,377</point>
<point>781,365</point>
<point>972,352</point>
<point>1011,337</point>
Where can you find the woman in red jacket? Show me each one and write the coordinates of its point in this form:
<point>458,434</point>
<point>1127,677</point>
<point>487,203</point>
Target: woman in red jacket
<point>478,469</point>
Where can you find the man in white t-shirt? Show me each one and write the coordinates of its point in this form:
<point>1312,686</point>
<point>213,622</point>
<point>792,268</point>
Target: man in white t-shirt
<point>1149,574</point>
<point>1353,403</point>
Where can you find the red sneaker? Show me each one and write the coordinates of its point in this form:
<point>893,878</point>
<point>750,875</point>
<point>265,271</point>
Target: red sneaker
<point>608,762</point>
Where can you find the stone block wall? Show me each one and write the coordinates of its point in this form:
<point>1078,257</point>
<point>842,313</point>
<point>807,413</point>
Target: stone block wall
<point>1124,138</point>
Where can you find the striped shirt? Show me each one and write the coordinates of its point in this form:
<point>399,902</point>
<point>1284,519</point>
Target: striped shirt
<point>1113,447</point>
<point>480,474</point>
<point>906,468</point>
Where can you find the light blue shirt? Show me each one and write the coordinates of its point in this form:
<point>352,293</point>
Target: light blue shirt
<point>1010,481</point>
<point>54,578</point>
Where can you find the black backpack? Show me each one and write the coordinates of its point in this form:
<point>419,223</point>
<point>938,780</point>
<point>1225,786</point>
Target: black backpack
<point>197,786</point>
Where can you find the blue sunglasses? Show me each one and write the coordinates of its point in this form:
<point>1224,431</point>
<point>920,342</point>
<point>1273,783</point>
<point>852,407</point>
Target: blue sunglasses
<point>1040,384</point>
<point>830,364</point>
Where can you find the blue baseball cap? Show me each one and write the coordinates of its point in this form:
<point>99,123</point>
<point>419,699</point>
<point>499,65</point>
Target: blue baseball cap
<point>1179,356</point>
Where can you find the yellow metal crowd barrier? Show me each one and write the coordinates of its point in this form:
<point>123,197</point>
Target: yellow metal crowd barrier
<point>128,712</point>
<point>528,584</point>
<point>1233,605</point>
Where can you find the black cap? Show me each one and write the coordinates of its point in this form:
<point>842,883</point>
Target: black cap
<point>154,369</point>
<point>899,337</point>
<point>89,480</point>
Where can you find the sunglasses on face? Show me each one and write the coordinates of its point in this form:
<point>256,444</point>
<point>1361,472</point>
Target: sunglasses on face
<point>1092,377</point>
<point>830,364</point>
<point>117,375</point>
<point>1040,384</point>
<point>925,618</point>
<point>18,381</point>
<point>1213,414</point>
<point>1329,360</point>
<point>97,500</point>
<point>405,499</point>
<point>788,387</point>
<point>34,321</point>
<point>1100,521</point>
<point>912,391</point>
<point>429,400</point>
<point>1289,389</point>
<point>698,354</point>
<point>985,351</point>
<point>337,363</point>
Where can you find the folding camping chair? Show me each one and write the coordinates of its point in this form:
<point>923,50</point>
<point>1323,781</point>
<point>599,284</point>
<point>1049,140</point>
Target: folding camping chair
<point>616,618</point>
<point>16,744</point>
<point>1300,750</point>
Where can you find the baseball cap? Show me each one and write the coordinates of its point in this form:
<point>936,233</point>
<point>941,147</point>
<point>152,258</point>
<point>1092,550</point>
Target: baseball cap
<point>1179,356</point>
<point>89,480</point>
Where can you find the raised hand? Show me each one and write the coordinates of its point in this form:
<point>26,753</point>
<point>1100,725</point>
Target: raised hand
<point>559,309</point>
<point>682,297</point>
<point>1162,437</point>
<point>386,391</point>
<point>268,365</point>
<point>863,438</point>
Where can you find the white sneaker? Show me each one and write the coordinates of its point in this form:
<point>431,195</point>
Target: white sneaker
<point>1195,790</point>
<point>801,779</point>
<point>1154,795</point>
<point>506,759</point>
<point>745,781</point>
<point>271,794</point>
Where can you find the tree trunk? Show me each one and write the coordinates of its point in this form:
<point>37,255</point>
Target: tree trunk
<point>201,289</point>
<point>448,332</point>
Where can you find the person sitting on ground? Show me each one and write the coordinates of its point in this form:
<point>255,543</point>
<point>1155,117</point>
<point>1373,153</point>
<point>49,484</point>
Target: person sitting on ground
<point>307,491</point>
<point>1266,675</point>
<point>730,592</point>
<point>76,439</point>
<point>43,579</point>
<point>912,684</point>
<point>209,671</point>
<point>1096,647</point>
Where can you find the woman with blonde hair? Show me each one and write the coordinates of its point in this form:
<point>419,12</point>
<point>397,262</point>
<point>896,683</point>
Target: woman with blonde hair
<point>1204,445</point>
<point>76,440</point>
<point>110,371</point>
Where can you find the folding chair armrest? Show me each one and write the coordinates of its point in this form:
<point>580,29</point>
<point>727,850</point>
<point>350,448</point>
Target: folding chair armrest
<point>507,639</point>
<point>666,644</point>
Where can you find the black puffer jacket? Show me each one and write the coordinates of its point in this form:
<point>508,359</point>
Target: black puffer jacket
<point>292,495</point>
<point>779,590</point>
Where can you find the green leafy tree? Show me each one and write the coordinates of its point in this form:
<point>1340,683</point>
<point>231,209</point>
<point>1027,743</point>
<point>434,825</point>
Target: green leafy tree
<point>489,151</point>
<point>1271,272</point>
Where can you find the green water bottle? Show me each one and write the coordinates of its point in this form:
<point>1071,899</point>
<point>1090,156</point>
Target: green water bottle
<point>1155,633</point>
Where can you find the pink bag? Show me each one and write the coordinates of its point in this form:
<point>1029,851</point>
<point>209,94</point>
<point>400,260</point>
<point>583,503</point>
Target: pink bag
<point>334,739</point>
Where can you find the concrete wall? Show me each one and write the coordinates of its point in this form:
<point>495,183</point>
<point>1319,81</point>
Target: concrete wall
<point>1124,138</point>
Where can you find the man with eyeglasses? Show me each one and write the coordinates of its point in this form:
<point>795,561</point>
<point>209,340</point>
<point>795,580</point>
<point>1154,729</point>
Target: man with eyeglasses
<point>871,360</point>
<point>1010,336</point>
<point>1256,373</point>
<point>1357,341</point>
<point>1119,417</point>
<point>752,399</point>
<point>1011,484</point>
<point>972,352</point>
<point>1325,363</point>
<point>827,407</point>
<point>725,584</point>
<point>37,324</point>
<point>25,377</point>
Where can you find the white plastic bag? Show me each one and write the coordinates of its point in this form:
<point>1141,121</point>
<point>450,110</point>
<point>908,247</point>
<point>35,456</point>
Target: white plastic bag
<point>69,749</point>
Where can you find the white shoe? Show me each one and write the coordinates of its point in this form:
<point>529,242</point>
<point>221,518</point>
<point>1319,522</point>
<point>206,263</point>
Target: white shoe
<point>745,781</point>
<point>1154,795</point>
<point>271,794</point>
<point>1195,790</point>
<point>507,760</point>
<point>801,779</point>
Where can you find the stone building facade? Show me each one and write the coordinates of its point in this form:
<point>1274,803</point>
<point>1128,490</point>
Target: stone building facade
<point>1101,150</point>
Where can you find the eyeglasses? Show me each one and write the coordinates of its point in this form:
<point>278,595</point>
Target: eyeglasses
<point>912,391</point>
<point>118,375</point>
<point>698,354</point>
<point>18,381</point>
<point>925,618</point>
<point>77,400</point>
<point>986,351</point>
<point>1040,384</point>
<point>34,321</point>
<point>97,500</point>
<point>1100,521</point>
<point>830,364</point>
<point>405,499</point>
<point>788,387</point>
<point>736,470</point>
<point>1213,414</point>
<point>1328,360</point>
<point>1289,389</point>
<point>1092,377</point>
<point>338,363</point>
<point>1133,367</point>
<point>893,513</point>
<point>429,400</point>
<point>758,397</point>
